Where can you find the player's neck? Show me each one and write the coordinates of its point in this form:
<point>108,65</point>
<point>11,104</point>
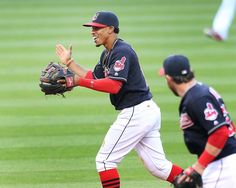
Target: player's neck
<point>111,42</point>
<point>183,88</point>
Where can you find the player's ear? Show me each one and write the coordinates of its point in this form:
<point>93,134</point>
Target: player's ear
<point>111,29</point>
<point>169,78</point>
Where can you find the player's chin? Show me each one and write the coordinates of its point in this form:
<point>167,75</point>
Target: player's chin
<point>97,45</point>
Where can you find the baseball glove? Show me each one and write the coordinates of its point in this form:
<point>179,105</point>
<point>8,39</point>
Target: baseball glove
<point>188,179</point>
<point>56,79</point>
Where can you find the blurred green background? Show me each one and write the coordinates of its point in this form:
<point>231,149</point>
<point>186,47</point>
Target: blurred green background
<point>51,142</point>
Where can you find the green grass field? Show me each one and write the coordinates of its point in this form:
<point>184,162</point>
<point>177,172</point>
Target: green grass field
<point>51,142</point>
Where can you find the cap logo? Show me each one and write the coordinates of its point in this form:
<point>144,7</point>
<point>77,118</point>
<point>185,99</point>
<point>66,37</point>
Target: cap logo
<point>95,16</point>
<point>184,72</point>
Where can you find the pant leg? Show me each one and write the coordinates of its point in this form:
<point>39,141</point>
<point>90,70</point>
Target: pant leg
<point>152,154</point>
<point>131,125</point>
<point>220,173</point>
<point>224,17</point>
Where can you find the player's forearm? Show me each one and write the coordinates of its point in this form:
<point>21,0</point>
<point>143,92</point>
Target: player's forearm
<point>214,146</point>
<point>208,155</point>
<point>104,85</point>
<point>76,68</point>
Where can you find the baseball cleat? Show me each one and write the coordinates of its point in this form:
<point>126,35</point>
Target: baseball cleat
<point>212,34</point>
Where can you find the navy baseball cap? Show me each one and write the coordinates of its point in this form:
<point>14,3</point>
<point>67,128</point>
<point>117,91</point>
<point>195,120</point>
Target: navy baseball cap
<point>175,65</point>
<point>103,19</point>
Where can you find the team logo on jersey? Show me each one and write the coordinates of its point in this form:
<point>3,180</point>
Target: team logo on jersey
<point>185,121</point>
<point>210,112</point>
<point>120,64</point>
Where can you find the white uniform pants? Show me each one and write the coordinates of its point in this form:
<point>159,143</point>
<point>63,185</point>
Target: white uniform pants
<point>224,17</point>
<point>136,128</point>
<point>220,173</point>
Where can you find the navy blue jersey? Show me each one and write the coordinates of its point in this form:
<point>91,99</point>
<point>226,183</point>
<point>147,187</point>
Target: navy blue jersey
<point>121,63</point>
<point>202,111</point>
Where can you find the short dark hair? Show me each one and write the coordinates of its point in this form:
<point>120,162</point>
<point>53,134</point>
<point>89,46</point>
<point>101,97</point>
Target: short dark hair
<point>116,30</point>
<point>183,79</point>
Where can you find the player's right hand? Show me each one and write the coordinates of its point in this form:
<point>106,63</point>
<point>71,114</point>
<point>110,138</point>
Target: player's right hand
<point>63,54</point>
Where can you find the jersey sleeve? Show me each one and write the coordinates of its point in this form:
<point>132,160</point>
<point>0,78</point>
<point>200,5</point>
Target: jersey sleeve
<point>98,71</point>
<point>119,65</point>
<point>208,113</point>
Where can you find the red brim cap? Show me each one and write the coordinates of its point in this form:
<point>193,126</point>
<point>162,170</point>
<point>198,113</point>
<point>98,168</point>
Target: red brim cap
<point>94,24</point>
<point>162,72</point>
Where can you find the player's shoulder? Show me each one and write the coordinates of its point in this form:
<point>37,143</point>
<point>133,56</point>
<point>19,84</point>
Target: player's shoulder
<point>199,90</point>
<point>122,47</point>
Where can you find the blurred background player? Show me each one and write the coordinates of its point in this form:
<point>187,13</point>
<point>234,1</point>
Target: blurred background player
<point>138,123</point>
<point>207,127</point>
<point>222,21</point>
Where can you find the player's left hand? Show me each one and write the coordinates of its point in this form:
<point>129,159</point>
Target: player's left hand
<point>63,54</point>
<point>56,79</point>
<point>190,178</point>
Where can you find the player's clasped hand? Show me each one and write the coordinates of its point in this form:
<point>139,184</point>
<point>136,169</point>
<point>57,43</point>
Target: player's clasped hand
<point>188,179</point>
<point>63,53</point>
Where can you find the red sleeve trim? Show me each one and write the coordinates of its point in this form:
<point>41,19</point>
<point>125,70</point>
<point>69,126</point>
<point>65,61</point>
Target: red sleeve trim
<point>104,85</point>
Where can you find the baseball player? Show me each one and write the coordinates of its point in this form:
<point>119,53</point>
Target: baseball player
<point>207,127</point>
<point>222,21</point>
<point>138,123</point>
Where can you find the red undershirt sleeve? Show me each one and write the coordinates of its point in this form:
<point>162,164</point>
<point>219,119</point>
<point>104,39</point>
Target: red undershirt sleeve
<point>106,85</point>
<point>219,137</point>
<point>89,75</point>
<point>216,139</point>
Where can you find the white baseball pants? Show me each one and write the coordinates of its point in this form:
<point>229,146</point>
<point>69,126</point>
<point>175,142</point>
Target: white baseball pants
<point>136,128</point>
<point>220,173</point>
<point>224,17</point>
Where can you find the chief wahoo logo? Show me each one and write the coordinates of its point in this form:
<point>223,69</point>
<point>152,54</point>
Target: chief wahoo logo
<point>120,64</point>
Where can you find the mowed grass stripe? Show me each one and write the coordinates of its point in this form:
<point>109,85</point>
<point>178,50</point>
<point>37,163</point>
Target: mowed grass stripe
<point>49,119</point>
<point>85,7</point>
<point>47,152</point>
<point>47,165</point>
<point>53,103</point>
<point>42,127</point>
<point>55,185</point>
<point>66,135</point>
<point>142,46</point>
<point>50,141</point>
<point>57,176</point>
<point>66,178</point>
<point>32,165</point>
<point>147,67</point>
<point>173,39</point>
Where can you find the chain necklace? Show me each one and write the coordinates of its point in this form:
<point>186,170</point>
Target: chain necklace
<point>107,55</point>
